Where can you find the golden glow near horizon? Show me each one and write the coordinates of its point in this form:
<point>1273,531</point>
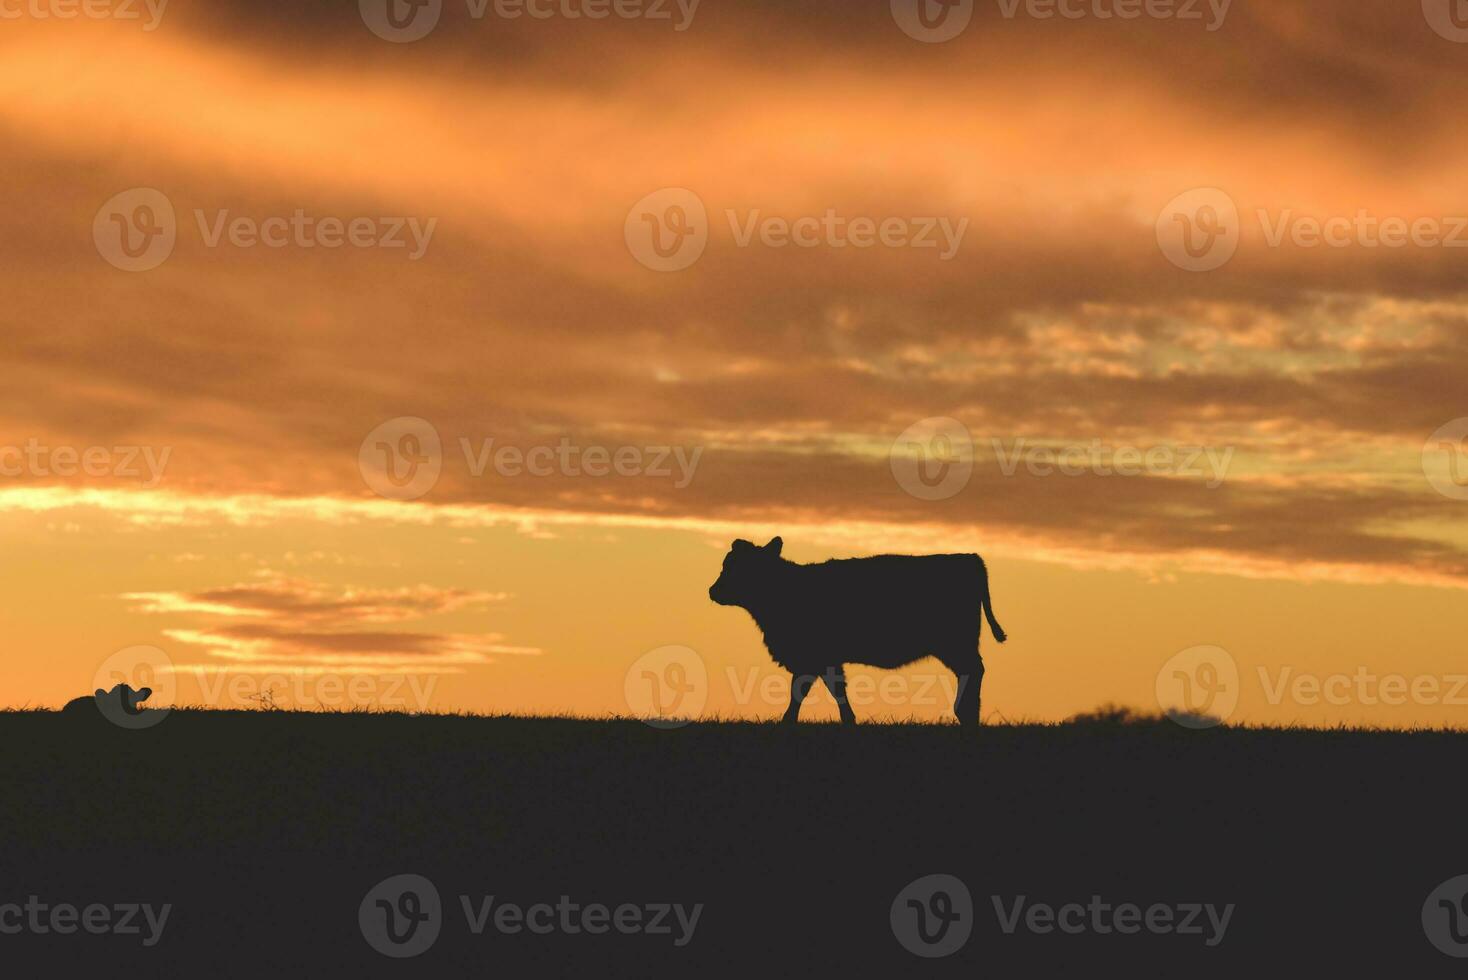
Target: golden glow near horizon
<point>317,236</point>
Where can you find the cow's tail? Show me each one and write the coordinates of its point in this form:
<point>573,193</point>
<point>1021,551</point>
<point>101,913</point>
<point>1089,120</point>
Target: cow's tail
<point>988,604</point>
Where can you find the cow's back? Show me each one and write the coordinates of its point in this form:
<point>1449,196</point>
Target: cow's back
<point>889,610</point>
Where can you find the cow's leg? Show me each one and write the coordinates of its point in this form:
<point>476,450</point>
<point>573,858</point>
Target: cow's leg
<point>969,669</point>
<point>800,685</point>
<point>835,678</point>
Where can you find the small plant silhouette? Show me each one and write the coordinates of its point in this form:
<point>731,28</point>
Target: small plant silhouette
<point>265,700</point>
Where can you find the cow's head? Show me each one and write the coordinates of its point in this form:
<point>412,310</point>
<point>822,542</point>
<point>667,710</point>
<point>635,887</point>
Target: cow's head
<point>124,698</point>
<point>746,573</point>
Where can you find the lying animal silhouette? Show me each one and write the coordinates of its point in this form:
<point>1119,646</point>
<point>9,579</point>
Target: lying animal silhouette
<point>886,611</point>
<point>121,700</point>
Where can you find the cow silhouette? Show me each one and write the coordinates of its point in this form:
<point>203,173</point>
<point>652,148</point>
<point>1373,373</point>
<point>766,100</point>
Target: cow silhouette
<point>886,611</point>
<point>122,700</point>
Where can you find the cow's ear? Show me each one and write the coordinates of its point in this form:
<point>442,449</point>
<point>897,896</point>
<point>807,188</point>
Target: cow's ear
<point>740,545</point>
<point>774,546</point>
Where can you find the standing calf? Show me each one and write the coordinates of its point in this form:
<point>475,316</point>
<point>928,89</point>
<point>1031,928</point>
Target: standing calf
<point>886,611</point>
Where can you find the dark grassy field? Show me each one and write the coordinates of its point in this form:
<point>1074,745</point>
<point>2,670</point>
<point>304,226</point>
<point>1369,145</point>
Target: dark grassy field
<point>265,830</point>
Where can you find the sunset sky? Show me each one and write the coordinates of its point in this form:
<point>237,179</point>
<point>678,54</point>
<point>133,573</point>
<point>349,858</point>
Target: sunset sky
<point>230,521</point>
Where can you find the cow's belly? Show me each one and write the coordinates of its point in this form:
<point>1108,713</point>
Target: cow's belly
<point>895,643</point>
